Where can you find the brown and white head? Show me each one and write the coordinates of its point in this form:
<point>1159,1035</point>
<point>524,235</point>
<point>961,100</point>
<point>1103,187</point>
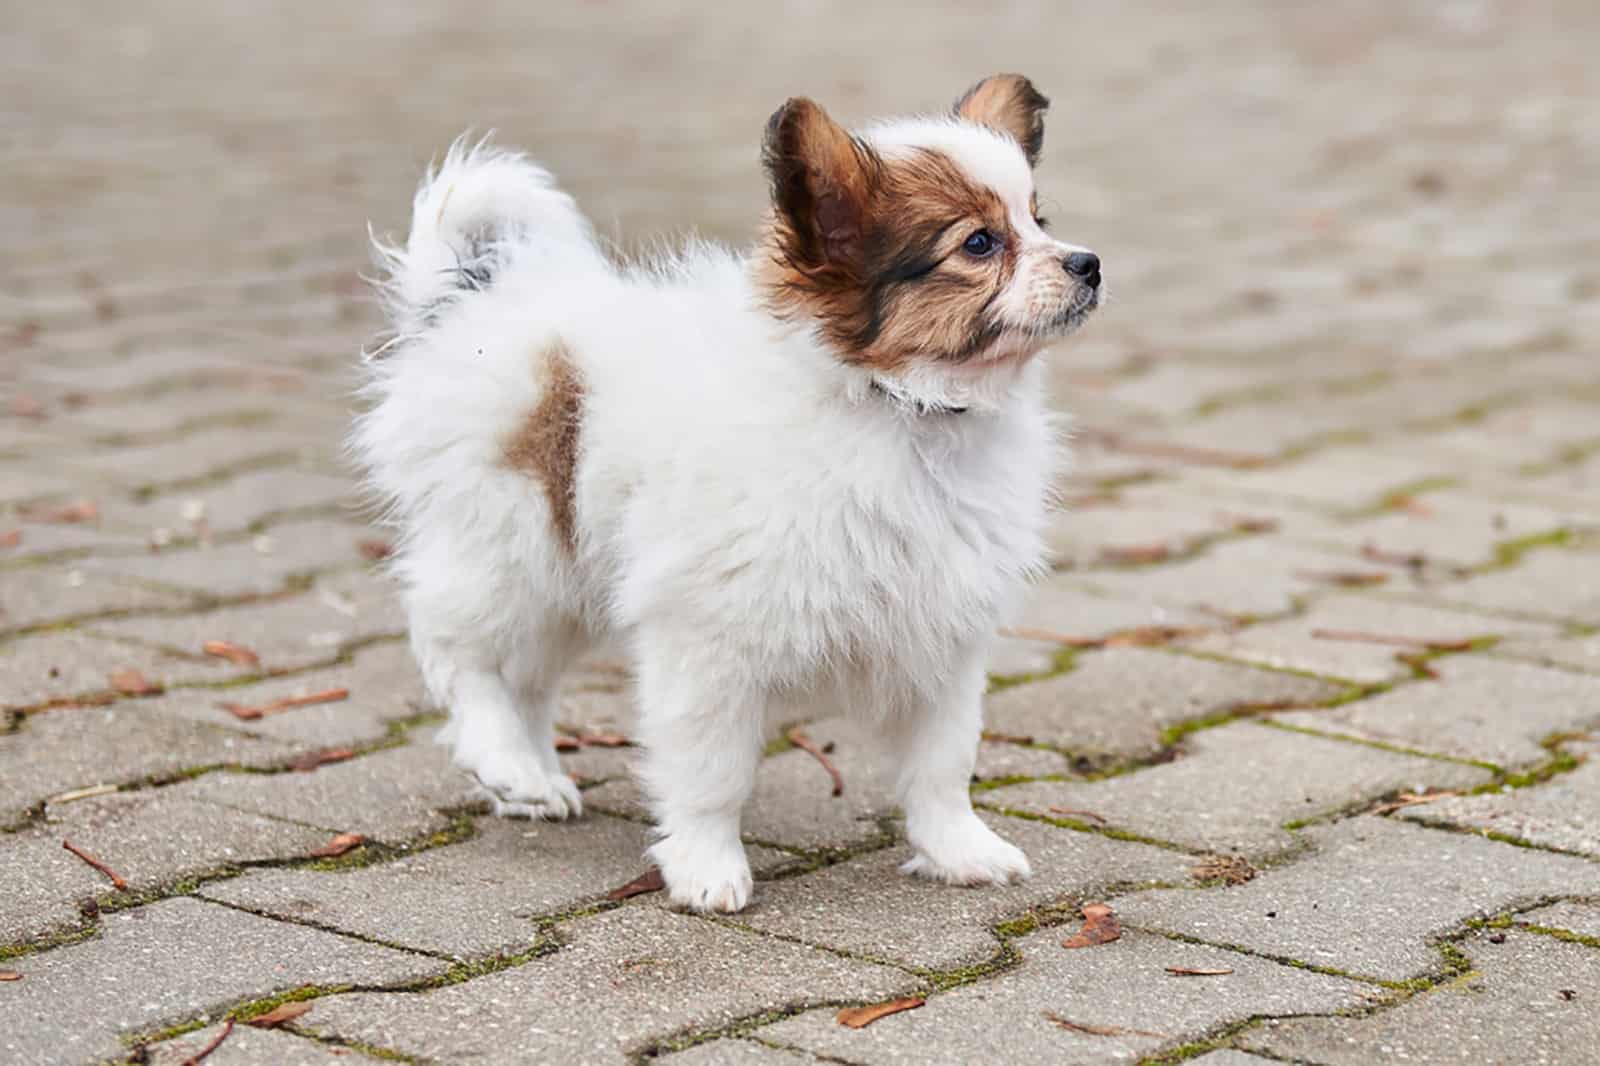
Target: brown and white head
<point>915,247</point>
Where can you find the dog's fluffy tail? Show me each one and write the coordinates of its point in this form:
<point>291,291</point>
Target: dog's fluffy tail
<point>472,216</point>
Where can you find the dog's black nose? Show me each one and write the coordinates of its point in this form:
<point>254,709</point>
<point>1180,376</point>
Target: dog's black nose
<point>1084,266</point>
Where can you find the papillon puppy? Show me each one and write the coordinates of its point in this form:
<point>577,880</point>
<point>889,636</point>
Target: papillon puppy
<point>811,476</point>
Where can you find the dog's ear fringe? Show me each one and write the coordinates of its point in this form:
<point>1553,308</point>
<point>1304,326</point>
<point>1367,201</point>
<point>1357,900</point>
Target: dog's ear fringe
<point>1008,104</point>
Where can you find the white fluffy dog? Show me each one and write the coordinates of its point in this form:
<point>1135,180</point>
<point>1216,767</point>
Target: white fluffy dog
<point>814,474</point>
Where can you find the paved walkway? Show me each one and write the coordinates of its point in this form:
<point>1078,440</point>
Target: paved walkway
<point>1307,701</point>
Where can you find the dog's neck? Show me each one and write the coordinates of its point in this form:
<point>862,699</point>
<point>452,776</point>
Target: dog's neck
<point>912,404</point>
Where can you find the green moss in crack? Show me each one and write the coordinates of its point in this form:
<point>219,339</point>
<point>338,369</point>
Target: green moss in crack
<point>1510,552</point>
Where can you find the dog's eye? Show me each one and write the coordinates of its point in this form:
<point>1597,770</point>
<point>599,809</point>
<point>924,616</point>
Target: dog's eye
<point>981,244</point>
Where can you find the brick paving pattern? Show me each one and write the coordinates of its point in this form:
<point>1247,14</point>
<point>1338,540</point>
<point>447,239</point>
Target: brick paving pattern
<point>1312,696</point>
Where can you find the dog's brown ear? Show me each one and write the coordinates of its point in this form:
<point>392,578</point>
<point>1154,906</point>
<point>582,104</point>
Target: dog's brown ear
<point>822,182</point>
<point>1010,104</point>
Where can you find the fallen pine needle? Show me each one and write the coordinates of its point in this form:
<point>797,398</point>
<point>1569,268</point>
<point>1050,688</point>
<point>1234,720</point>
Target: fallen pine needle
<point>237,654</point>
<point>1025,633</point>
<point>1100,926</point>
<point>227,1027</point>
<point>248,713</point>
<point>1135,554</point>
<point>1421,643</point>
<point>1098,1030</point>
<point>649,881</point>
<point>10,975</point>
<point>803,742</point>
<point>861,1017</point>
<point>116,879</point>
<point>313,759</point>
<point>1349,579</point>
<point>1184,971</point>
<point>1412,799</point>
<point>1076,813</point>
<point>82,794</point>
<point>283,1012</point>
<point>1413,560</point>
<point>338,846</point>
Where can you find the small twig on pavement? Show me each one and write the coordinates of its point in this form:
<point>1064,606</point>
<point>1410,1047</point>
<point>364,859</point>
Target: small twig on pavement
<point>116,879</point>
<point>227,1027</point>
<point>803,742</point>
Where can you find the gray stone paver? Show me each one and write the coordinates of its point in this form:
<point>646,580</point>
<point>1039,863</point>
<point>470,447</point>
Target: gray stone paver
<point>62,664</point>
<point>860,906</point>
<point>1562,814</point>
<point>600,996</point>
<point>1580,918</point>
<point>43,594</point>
<point>1512,1010</point>
<point>1369,900</point>
<point>152,839</point>
<point>1478,708</point>
<point>1119,701</point>
<point>1107,987</point>
<point>247,1046</point>
<point>171,961</point>
<point>389,795</point>
<point>1327,638</point>
<point>303,628</point>
<point>1313,305</point>
<point>123,743</point>
<point>473,899</point>
<point>1221,794</point>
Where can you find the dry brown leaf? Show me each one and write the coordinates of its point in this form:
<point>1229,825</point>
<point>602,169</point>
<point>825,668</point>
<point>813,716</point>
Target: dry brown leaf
<point>10,975</point>
<point>1100,926</point>
<point>1075,812</point>
<point>1410,560</point>
<point>1250,524</point>
<point>313,759</point>
<point>237,654</point>
<point>1229,869</point>
<point>1348,579</point>
<point>10,538</point>
<point>81,511</point>
<point>131,682</point>
<point>1412,799</point>
<point>861,1017</point>
<point>1135,554</point>
<point>248,713</point>
<point>1145,635</point>
<point>26,407</point>
<point>339,845</point>
<point>649,881</point>
<point>375,550</point>
<point>1422,643</point>
<point>283,1012</point>
<point>1097,1030</point>
<point>1184,971</point>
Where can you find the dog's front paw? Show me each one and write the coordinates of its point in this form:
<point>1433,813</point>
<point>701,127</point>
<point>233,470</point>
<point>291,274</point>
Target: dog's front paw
<point>521,788</point>
<point>967,853</point>
<point>704,875</point>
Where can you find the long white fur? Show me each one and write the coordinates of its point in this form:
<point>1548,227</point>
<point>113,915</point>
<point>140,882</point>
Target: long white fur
<point>760,528</point>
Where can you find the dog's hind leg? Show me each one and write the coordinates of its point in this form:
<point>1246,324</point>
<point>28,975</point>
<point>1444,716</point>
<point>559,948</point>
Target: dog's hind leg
<point>502,710</point>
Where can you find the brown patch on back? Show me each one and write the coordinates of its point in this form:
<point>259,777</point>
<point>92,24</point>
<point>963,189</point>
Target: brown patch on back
<point>545,446</point>
<point>904,289</point>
